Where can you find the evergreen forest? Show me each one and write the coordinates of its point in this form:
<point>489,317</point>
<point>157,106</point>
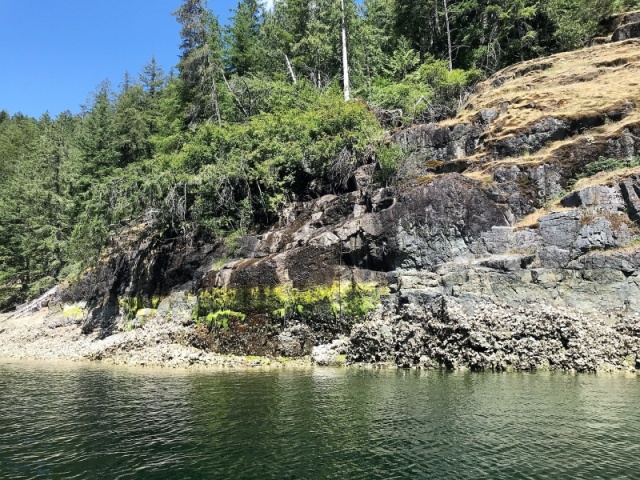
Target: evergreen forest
<point>267,109</point>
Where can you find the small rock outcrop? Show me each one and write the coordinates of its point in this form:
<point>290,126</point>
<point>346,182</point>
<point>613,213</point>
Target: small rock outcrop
<point>624,32</point>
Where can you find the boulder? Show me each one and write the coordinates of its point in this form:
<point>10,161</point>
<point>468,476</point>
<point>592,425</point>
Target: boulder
<point>295,341</point>
<point>627,31</point>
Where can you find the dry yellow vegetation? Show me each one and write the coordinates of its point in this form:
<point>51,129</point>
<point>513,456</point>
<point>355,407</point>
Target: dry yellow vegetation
<point>532,220</point>
<point>596,90</point>
<point>574,85</point>
<point>607,178</point>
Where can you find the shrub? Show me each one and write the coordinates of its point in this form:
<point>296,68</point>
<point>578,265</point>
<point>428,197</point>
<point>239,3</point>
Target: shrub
<point>430,93</point>
<point>607,164</point>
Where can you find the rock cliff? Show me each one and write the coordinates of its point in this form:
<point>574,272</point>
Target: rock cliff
<point>510,239</point>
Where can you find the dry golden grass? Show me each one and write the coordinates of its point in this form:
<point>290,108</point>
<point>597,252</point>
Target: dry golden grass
<point>598,86</point>
<point>479,176</point>
<point>606,178</point>
<point>533,219</point>
<point>602,178</point>
<point>427,179</point>
<point>583,83</point>
<point>601,82</point>
<point>560,150</point>
<point>633,247</point>
<point>433,164</point>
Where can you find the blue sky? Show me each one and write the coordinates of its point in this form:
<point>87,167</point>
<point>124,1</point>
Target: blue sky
<point>53,53</point>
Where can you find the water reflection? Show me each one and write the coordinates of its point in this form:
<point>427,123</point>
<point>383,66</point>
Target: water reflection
<point>84,421</point>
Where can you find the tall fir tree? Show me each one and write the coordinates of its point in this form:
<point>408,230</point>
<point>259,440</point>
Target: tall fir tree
<point>131,129</point>
<point>198,67</point>
<point>153,81</point>
<point>98,140</point>
<point>243,36</point>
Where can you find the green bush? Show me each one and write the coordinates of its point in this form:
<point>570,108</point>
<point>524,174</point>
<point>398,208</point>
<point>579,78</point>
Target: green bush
<point>245,173</point>
<point>430,93</point>
<point>389,158</point>
<point>607,164</point>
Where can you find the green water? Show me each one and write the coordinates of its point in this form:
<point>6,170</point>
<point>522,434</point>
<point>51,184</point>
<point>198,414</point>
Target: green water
<point>85,421</point>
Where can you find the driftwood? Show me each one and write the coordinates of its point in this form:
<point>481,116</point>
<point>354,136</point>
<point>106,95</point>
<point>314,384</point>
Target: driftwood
<point>38,303</point>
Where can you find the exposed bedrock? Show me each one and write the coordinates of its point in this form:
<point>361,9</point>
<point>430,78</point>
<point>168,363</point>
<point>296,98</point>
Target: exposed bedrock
<point>435,142</point>
<point>626,31</point>
<point>494,337</point>
<point>332,263</point>
<point>450,239</point>
<point>137,276</point>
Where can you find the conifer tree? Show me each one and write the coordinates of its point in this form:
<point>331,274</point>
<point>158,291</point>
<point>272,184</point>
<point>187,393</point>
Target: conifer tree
<point>152,78</point>
<point>98,139</point>
<point>244,38</point>
<point>377,37</point>
<point>196,66</point>
<point>153,81</point>
<point>130,126</point>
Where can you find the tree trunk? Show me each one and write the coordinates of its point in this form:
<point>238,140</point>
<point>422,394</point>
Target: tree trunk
<point>214,90</point>
<point>214,99</point>
<point>235,97</point>
<point>446,19</point>
<point>291,72</point>
<point>345,56</point>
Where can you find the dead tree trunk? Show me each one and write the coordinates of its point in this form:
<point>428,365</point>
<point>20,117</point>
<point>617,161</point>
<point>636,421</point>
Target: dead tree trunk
<point>345,56</point>
<point>446,19</point>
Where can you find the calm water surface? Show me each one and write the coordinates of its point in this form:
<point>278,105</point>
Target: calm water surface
<point>85,421</point>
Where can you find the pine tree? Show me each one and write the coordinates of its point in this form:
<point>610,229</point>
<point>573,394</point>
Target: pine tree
<point>152,78</point>
<point>244,38</point>
<point>153,82</point>
<point>416,20</point>
<point>197,64</point>
<point>311,33</point>
<point>36,206</point>
<point>97,140</point>
<point>377,37</point>
<point>18,145</point>
<point>130,125</point>
<point>576,21</point>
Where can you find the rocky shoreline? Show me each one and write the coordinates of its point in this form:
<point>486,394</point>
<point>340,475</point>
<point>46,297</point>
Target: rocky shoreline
<point>48,336</point>
<point>498,338</point>
<point>447,335</point>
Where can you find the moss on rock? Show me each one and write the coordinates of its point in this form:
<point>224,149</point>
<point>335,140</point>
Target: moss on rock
<point>340,302</point>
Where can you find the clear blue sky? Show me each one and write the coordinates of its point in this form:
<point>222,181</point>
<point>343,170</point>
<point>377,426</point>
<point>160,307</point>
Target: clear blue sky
<point>53,53</point>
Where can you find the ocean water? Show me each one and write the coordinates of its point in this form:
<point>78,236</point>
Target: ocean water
<point>64,421</point>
